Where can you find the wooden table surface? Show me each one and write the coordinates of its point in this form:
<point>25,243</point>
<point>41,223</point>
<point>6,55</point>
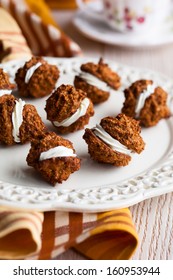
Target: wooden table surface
<point>154,217</point>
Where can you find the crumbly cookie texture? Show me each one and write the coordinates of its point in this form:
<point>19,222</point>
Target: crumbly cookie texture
<point>95,94</point>
<point>104,73</point>
<point>4,81</point>
<point>42,81</point>
<point>63,104</point>
<point>56,169</point>
<point>121,128</point>
<point>155,107</point>
<point>126,130</point>
<point>31,127</point>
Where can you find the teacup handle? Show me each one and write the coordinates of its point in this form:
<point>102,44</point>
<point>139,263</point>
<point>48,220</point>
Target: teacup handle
<point>90,11</point>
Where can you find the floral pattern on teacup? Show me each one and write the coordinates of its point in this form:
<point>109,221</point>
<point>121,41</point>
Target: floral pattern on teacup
<point>128,19</point>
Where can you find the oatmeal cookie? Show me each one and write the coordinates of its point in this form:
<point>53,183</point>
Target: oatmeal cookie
<point>19,122</point>
<point>53,157</point>
<point>146,102</point>
<point>96,80</point>
<point>36,78</point>
<point>69,109</point>
<point>114,140</point>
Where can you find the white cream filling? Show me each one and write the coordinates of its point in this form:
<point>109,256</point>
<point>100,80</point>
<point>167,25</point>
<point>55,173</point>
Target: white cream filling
<point>59,151</point>
<point>81,111</point>
<point>5,91</point>
<point>17,119</point>
<point>109,140</point>
<point>142,98</point>
<point>94,81</point>
<point>31,71</point>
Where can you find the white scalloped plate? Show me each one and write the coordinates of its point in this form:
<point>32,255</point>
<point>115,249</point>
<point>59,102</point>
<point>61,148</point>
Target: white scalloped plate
<point>95,187</point>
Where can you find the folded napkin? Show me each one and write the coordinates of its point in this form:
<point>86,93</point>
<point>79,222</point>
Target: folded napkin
<point>34,235</point>
<point>20,233</point>
<point>43,35</point>
<point>109,235</point>
<point>12,43</point>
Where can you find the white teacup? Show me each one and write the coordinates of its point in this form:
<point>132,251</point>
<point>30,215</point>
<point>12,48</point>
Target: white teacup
<point>129,15</point>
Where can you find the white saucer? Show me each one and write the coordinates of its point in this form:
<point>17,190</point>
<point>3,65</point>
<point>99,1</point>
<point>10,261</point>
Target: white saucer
<point>100,31</point>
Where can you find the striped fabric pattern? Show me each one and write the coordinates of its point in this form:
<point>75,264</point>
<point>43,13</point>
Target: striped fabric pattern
<point>43,39</point>
<point>109,235</point>
<point>19,234</point>
<point>12,43</point>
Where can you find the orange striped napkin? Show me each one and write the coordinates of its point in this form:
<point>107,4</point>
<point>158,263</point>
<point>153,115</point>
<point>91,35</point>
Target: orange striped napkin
<point>33,235</point>
<point>109,235</point>
<point>12,43</point>
<point>43,35</point>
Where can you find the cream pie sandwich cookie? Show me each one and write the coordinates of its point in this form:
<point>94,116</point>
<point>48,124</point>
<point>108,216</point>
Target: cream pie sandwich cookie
<point>37,78</point>
<point>147,102</point>
<point>69,109</point>
<point>19,122</point>
<point>114,140</point>
<point>53,157</point>
<point>97,80</point>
